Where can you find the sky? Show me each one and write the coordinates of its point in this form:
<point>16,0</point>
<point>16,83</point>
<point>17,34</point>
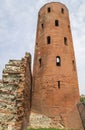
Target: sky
<point>18,22</point>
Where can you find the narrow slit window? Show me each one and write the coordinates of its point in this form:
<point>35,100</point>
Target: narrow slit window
<point>65,40</point>
<point>40,62</point>
<point>49,9</point>
<point>42,25</point>
<point>48,40</point>
<point>62,10</point>
<point>56,23</point>
<point>73,64</point>
<point>58,61</point>
<point>59,84</point>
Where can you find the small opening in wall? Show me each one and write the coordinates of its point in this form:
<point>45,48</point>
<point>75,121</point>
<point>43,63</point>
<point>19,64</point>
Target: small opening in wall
<point>62,10</point>
<point>36,43</point>
<point>56,23</point>
<point>49,9</point>
<point>40,62</point>
<point>48,39</point>
<point>65,40</point>
<point>42,25</point>
<point>73,64</point>
<point>59,84</point>
<point>58,61</point>
<point>69,27</point>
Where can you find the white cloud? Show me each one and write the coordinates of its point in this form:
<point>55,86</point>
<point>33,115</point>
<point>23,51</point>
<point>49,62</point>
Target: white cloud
<point>18,20</point>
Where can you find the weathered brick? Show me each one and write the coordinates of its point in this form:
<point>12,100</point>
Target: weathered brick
<point>55,88</point>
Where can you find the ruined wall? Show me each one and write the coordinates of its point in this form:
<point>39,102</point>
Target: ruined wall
<point>15,89</point>
<point>81,108</point>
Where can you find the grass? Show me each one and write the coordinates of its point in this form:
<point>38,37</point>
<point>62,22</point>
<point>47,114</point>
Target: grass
<point>43,129</point>
<point>47,129</point>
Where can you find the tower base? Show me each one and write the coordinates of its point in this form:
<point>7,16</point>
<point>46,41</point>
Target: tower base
<point>70,119</point>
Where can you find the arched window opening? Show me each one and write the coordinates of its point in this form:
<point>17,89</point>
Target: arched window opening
<point>58,61</point>
<point>49,9</point>
<point>42,25</point>
<point>56,23</point>
<point>48,39</point>
<point>40,62</point>
<point>62,10</point>
<point>65,40</point>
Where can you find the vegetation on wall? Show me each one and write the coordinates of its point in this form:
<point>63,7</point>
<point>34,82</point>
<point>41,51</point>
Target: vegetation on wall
<point>82,99</point>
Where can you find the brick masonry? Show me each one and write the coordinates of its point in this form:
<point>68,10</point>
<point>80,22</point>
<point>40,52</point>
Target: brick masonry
<point>15,96</point>
<point>55,88</point>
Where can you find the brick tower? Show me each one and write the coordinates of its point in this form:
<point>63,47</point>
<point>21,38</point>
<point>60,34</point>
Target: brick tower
<point>55,83</point>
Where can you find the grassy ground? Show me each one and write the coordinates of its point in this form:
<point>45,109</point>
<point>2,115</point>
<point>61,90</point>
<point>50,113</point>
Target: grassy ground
<point>46,129</point>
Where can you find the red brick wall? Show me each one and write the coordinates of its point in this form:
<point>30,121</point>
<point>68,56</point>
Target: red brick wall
<point>48,99</point>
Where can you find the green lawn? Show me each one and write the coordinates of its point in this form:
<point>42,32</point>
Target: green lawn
<point>47,129</point>
<point>43,129</point>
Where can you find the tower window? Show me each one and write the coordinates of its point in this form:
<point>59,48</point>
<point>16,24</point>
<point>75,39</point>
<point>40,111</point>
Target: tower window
<point>40,62</point>
<point>65,40</point>
<point>42,25</point>
<point>62,10</point>
<point>48,40</point>
<point>59,84</point>
<point>49,9</point>
<point>56,23</point>
<point>58,61</point>
<point>73,64</point>
<point>36,43</point>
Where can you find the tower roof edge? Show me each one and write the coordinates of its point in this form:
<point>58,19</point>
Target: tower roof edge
<point>53,3</point>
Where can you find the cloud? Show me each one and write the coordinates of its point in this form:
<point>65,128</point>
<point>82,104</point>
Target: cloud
<point>18,22</point>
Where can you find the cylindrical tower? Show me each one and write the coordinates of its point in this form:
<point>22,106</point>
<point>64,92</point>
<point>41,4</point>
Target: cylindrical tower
<point>55,83</point>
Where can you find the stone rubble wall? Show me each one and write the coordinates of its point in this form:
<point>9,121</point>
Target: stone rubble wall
<point>42,121</point>
<point>81,108</point>
<point>15,89</point>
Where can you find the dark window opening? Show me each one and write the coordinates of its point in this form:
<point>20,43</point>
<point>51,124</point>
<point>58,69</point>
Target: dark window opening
<point>48,40</point>
<point>65,40</point>
<point>69,27</point>
<point>49,9</point>
<point>39,15</point>
<point>58,61</point>
<point>56,23</point>
<point>40,62</point>
<point>62,10</point>
<point>42,25</point>
<point>36,43</point>
<point>73,64</point>
<point>59,84</point>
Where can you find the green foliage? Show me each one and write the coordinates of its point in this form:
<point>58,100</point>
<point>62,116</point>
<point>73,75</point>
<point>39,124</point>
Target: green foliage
<point>82,99</point>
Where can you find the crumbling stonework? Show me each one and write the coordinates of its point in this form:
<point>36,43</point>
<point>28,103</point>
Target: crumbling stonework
<point>15,98</point>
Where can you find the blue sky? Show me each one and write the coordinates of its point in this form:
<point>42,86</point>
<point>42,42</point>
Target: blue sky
<point>18,20</point>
